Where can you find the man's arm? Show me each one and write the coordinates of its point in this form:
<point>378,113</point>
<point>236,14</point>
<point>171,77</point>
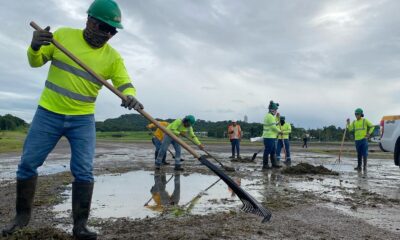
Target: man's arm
<point>370,126</point>
<point>41,50</point>
<point>121,80</point>
<point>350,127</point>
<point>194,137</point>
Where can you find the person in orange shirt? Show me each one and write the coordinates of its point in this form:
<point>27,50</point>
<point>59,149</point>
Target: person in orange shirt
<point>157,138</point>
<point>235,134</point>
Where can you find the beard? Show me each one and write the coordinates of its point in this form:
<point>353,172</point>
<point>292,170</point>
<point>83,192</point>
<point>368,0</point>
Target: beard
<point>95,38</point>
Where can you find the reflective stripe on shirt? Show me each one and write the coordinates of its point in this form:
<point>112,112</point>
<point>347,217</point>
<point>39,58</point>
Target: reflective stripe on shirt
<point>68,93</point>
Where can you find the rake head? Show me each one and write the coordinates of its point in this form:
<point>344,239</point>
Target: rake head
<point>250,205</point>
<point>254,156</point>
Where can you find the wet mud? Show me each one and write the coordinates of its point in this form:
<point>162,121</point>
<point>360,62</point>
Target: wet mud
<point>306,168</point>
<point>350,205</point>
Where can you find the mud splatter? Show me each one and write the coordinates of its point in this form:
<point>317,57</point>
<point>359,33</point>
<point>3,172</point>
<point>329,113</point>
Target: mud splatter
<point>39,233</point>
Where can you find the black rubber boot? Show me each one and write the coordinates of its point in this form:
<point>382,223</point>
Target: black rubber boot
<point>265,163</point>
<point>359,160</point>
<point>365,163</point>
<point>274,162</point>
<point>81,200</point>
<point>24,201</point>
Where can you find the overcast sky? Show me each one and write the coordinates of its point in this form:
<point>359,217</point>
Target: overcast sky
<point>224,59</point>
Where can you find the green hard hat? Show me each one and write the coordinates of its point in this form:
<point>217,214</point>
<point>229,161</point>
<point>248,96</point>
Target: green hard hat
<point>190,119</point>
<point>358,111</point>
<point>273,105</point>
<point>106,11</point>
<point>282,118</point>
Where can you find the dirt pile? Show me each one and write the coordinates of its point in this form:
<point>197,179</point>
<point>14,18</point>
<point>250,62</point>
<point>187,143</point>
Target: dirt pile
<point>36,234</point>
<point>305,168</point>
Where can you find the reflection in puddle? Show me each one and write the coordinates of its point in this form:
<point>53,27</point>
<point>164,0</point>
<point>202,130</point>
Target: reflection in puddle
<point>141,194</point>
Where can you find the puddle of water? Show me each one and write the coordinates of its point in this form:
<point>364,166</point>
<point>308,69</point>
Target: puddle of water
<point>340,167</point>
<point>125,195</point>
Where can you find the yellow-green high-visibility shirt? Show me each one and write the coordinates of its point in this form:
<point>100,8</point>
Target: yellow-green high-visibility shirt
<point>177,127</point>
<point>361,128</point>
<point>69,89</point>
<point>286,130</point>
<point>270,129</point>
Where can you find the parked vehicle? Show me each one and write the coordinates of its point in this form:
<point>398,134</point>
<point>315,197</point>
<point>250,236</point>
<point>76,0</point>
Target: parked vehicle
<point>390,136</point>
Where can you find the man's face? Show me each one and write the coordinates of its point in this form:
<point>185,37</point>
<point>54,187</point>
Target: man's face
<point>358,116</point>
<point>97,33</point>
<point>186,124</point>
<point>234,123</point>
<point>273,111</point>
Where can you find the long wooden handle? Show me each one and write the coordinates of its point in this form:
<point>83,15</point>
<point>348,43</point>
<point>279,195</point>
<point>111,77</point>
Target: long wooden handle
<point>341,145</point>
<point>118,93</point>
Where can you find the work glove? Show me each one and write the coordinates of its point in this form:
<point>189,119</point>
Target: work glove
<point>367,136</point>
<point>41,37</point>
<point>348,121</point>
<point>131,102</point>
<point>201,146</point>
<point>182,134</point>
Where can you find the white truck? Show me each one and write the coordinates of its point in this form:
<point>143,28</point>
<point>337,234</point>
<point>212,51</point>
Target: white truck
<point>390,136</point>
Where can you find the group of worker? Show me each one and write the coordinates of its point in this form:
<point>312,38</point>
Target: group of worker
<point>180,127</point>
<point>275,135</point>
<point>67,105</point>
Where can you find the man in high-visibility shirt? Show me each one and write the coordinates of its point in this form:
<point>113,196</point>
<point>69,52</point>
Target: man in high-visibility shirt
<point>283,140</point>
<point>67,106</point>
<point>181,127</point>
<point>157,138</point>
<point>270,133</point>
<point>235,134</point>
<point>362,131</point>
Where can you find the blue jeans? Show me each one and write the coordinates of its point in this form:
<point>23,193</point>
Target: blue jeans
<point>157,143</point>
<point>164,147</point>
<point>235,145</point>
<point>279,149</point>
<point>46,130</point>
<point>362,148</point>
<point>269,149</point>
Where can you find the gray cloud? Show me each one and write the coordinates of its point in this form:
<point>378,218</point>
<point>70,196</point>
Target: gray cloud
<point>319,59</point>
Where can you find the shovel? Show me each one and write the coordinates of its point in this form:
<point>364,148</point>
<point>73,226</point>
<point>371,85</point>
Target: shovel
<point>250,204</point>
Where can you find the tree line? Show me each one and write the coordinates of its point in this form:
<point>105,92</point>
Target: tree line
<point>136,122</point>
<point>10,122</point>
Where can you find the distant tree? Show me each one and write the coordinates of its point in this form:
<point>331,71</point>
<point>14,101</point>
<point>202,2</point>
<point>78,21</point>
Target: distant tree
<point>10,122</point>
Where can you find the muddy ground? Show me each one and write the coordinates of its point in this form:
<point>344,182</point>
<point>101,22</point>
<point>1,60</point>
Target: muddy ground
<point>349,206</point>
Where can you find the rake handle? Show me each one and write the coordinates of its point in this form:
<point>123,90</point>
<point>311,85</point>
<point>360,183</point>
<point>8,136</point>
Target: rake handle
<point>118,93</point>
<point>341,145</point>
<point>283,141</point>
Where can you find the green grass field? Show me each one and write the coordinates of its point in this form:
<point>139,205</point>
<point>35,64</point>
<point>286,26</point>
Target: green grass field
<point>11,141</point>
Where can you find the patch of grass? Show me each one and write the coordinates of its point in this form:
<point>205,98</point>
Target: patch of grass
<point>11,141</point>
<point>49,189</point>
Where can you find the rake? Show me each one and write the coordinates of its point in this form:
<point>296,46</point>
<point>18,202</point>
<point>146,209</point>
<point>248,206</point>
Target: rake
<point>250,205</point>
<point>227,168</point>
